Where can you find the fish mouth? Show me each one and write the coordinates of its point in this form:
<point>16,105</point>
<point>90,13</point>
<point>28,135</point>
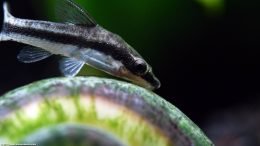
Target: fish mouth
<point>152,80</point>
<point>148,80</point>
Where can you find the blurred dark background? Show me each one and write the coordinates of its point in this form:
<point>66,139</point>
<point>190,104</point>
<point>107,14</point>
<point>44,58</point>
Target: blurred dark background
<point>205,52</point>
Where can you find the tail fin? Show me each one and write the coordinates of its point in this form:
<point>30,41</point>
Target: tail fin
<point>7,18</point>
<point>7,14</point>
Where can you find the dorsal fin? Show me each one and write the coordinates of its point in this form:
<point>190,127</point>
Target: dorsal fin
<point>70,12</point>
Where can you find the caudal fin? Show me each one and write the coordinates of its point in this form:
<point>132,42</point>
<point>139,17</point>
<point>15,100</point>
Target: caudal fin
<point>7,18</point>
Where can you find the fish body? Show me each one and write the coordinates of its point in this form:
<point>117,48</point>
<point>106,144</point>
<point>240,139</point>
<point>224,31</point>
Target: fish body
<point>81,41</point>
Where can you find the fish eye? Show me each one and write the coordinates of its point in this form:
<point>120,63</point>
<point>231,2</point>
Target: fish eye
<point>140,67</point>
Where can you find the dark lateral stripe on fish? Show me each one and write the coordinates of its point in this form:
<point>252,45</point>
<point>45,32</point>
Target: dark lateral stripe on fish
<point>52,36</point>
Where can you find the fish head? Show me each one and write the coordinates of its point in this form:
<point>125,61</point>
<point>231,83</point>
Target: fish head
<point>136,69</point>
<point>125,62</point>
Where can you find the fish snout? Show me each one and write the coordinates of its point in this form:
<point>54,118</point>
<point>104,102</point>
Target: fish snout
<point>152,80</point>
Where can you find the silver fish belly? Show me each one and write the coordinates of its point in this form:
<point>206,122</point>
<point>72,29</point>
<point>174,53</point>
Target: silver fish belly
<point>81,41</point>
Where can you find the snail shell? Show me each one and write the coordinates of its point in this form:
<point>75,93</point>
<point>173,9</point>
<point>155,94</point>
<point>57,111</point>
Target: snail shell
<point>93,111</point>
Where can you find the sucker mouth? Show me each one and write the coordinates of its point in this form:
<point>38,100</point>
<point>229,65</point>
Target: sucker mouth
<point>152,80</point>
<point>147,80</point>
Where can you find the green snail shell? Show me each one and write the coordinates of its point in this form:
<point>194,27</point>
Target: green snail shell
<point>93,111</point>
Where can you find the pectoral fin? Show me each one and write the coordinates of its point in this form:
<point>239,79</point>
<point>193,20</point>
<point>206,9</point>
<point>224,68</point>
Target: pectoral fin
<point>100,60</point>
<point>32,54</point>
<point>70,66</point>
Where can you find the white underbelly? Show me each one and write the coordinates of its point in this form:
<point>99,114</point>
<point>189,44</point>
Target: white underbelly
<point>51,46</point>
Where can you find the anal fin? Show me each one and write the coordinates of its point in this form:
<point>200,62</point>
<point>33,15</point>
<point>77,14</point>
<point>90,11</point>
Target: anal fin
<point>70,67</point>
<point>30,54</point>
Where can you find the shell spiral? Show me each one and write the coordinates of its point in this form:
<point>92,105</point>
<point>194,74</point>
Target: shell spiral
<point>93,112</point>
